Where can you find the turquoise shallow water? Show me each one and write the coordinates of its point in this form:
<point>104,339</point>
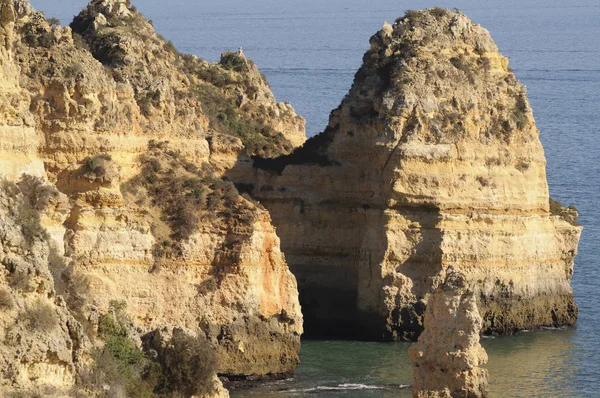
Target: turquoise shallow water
<point>309,50</point>
<point>530,365</point>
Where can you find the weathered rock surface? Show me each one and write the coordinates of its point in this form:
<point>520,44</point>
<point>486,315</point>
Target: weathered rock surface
<point>448,356</point>
<point>43,346</point>
<point>432,160</point>
<point>79,106</point>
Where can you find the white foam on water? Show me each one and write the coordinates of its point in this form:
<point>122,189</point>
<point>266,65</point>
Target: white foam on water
<point>348,387</point>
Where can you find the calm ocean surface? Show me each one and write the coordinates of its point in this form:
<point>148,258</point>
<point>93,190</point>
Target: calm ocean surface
<point>309,50</point>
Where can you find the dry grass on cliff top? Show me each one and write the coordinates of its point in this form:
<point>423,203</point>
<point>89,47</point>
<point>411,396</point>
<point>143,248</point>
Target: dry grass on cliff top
<point>185,198</point>
<point>225,91</point>
<point>218,88</point>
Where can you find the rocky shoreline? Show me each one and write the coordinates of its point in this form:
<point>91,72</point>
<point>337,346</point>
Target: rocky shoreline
<point>163,220</point>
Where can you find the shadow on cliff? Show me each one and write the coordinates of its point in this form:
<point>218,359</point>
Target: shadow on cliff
<point>333,297</point>
<point>423,268</point>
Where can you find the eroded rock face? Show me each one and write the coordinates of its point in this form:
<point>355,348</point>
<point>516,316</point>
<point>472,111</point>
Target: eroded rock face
<point>448,356</point>
<point>432,160</point>
<point>79,108</point>
<point>43,346</point>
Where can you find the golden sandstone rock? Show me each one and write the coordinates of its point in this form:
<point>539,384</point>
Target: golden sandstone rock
<point>432,160</point>
<point>79,109</point>
<point>448,356</point>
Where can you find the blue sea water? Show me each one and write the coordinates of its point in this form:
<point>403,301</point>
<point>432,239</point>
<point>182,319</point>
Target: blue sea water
<point>309,50</point>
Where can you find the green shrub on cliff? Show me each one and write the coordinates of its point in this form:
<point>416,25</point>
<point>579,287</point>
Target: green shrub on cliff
<point>227,117</point>
<point>34,35</point>
<point>235,62</point>
<point>189,364</point>
<point>183,366</point>
<point>120,364</point>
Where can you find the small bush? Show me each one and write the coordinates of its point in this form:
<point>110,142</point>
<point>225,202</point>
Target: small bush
<point>188,364</point>
<point>170,47</point>
<point>100,169</point>
<point>484,182</point>
<point>124,350</point>
<point>114,322</point>
<point>234,62</point>
<point>438,12</point>
<point>54,21</point>
<point>40,317</point>
<point>6,299</point>
<point>570,214</point>
<point>460,64</point>
<point>412,15</point>
<point>80,42</point>
<point>29,220</point>
<point>36,36</point>
<point>121,364</point>
<point>132,380</point>
<point>520,112</point>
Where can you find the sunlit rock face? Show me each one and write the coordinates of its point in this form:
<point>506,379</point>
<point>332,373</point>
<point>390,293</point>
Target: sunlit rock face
<point>432,160</point>
<point>447,357</point>
<point>101,110</point>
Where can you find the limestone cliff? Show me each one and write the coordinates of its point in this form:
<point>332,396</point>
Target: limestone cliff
<point>43,346</point>
<point>448,356</point>
<point>432,160</point>
<point>136,136</point>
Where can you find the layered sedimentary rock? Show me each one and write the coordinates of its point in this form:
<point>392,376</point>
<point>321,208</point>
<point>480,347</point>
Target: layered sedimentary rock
<point>448,356</point>
<point>43,346</point>
<point>432,160</point>
<point>18,139</point>
<point>113,116</point>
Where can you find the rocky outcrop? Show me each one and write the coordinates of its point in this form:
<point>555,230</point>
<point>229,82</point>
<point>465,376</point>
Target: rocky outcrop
<point>432,160</point>
<point>136,137</point>
<point>43,346</point>
<point>448,356</point>
<point>18,139</point>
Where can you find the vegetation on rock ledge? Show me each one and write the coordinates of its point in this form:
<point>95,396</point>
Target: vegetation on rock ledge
<point>187,198</point>
<point>185,366</point>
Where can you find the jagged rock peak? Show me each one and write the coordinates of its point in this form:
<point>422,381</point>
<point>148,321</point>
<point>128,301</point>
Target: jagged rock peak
<point>115,8</point>
<point>182,88</point>
<point>435,69</point>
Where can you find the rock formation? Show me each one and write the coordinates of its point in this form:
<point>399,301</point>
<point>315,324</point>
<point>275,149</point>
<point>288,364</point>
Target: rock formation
<point>119,220</point>
<point>43,346</point>
<point>447,356</point>
<point>135,137</point>
<point>432,160</point>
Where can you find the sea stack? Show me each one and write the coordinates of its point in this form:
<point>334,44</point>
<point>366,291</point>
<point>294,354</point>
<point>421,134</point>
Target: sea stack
<point>432,160</point>
<point>448,356</point>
